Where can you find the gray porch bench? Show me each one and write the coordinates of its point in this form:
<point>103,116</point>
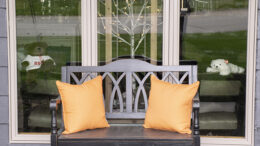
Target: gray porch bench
<point>129,79</point>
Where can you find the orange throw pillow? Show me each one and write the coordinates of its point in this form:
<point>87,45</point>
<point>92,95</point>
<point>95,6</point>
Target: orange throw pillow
<point>83,106</point>
<point>170,106</point>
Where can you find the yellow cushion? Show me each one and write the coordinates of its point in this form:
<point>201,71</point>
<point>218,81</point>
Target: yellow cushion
<point>170,106</point>
<point>83,106</point>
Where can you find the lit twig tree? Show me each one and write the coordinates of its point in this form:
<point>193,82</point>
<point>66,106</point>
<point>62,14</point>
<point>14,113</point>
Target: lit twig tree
<point>130,22</point>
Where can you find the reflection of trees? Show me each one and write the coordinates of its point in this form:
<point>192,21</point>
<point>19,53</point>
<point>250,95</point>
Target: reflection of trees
<point>48,7</point>
<point>128,16</point>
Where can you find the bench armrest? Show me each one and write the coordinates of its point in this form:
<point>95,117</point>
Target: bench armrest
<point>54,107</point>
<point>195,121</point>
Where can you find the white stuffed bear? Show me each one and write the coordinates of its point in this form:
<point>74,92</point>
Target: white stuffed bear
<point>224,67</point>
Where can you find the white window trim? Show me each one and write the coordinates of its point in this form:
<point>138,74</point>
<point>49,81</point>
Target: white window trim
<point>170,57</point>
<point>14,137</point>
<point>89,32</point>
<point>170,16</point>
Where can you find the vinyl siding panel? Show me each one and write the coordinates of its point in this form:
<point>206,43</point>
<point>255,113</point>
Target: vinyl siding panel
<point>3,24</point>
<point>2,3</point>
<point>3,80</point>
<point>4,110</point>
<point>4,135</point>
<point>3,52</point>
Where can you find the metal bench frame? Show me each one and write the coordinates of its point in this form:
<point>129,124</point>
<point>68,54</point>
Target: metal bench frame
<point>128,69</point>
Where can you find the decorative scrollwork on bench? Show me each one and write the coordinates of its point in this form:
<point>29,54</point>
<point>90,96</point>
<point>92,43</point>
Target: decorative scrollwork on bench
<point>115,88</point>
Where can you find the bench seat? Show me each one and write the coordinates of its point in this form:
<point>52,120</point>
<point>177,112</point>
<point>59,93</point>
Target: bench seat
<point>125,135</point>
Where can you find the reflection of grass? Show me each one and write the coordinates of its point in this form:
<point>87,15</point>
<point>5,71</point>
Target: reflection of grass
<point>122,49</point>
<point>200,47</point>
<point>205,47</point>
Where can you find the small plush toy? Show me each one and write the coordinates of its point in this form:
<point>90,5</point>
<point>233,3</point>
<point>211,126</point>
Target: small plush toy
<point>224,67</point>
<point>37,58</point>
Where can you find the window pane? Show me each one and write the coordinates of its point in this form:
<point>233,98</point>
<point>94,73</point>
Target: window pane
<point>129,29</point>
<point>48,37</point>
<point>214,33</point>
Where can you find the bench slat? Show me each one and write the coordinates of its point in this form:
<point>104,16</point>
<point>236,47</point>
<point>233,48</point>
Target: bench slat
<point>125,115</point>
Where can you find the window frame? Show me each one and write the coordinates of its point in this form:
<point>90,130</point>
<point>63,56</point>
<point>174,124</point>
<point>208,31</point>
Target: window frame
<point>248,140</point>
<point>171,45</point>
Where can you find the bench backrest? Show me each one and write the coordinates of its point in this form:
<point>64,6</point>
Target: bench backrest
<point>129,78</point>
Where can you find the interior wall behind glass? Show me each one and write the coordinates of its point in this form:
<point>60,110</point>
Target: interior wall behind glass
<point>214,33</point>
<point>48,37</point>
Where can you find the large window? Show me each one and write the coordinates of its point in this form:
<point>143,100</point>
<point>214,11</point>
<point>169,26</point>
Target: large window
<point>215,35</point>
<point>48,34</point>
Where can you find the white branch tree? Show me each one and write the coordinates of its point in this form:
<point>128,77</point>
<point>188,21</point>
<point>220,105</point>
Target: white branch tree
<point>129,22</point>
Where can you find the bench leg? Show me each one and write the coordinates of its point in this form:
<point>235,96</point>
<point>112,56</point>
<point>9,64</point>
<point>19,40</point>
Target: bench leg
<point>54,140</point>
<point>196,140</point>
